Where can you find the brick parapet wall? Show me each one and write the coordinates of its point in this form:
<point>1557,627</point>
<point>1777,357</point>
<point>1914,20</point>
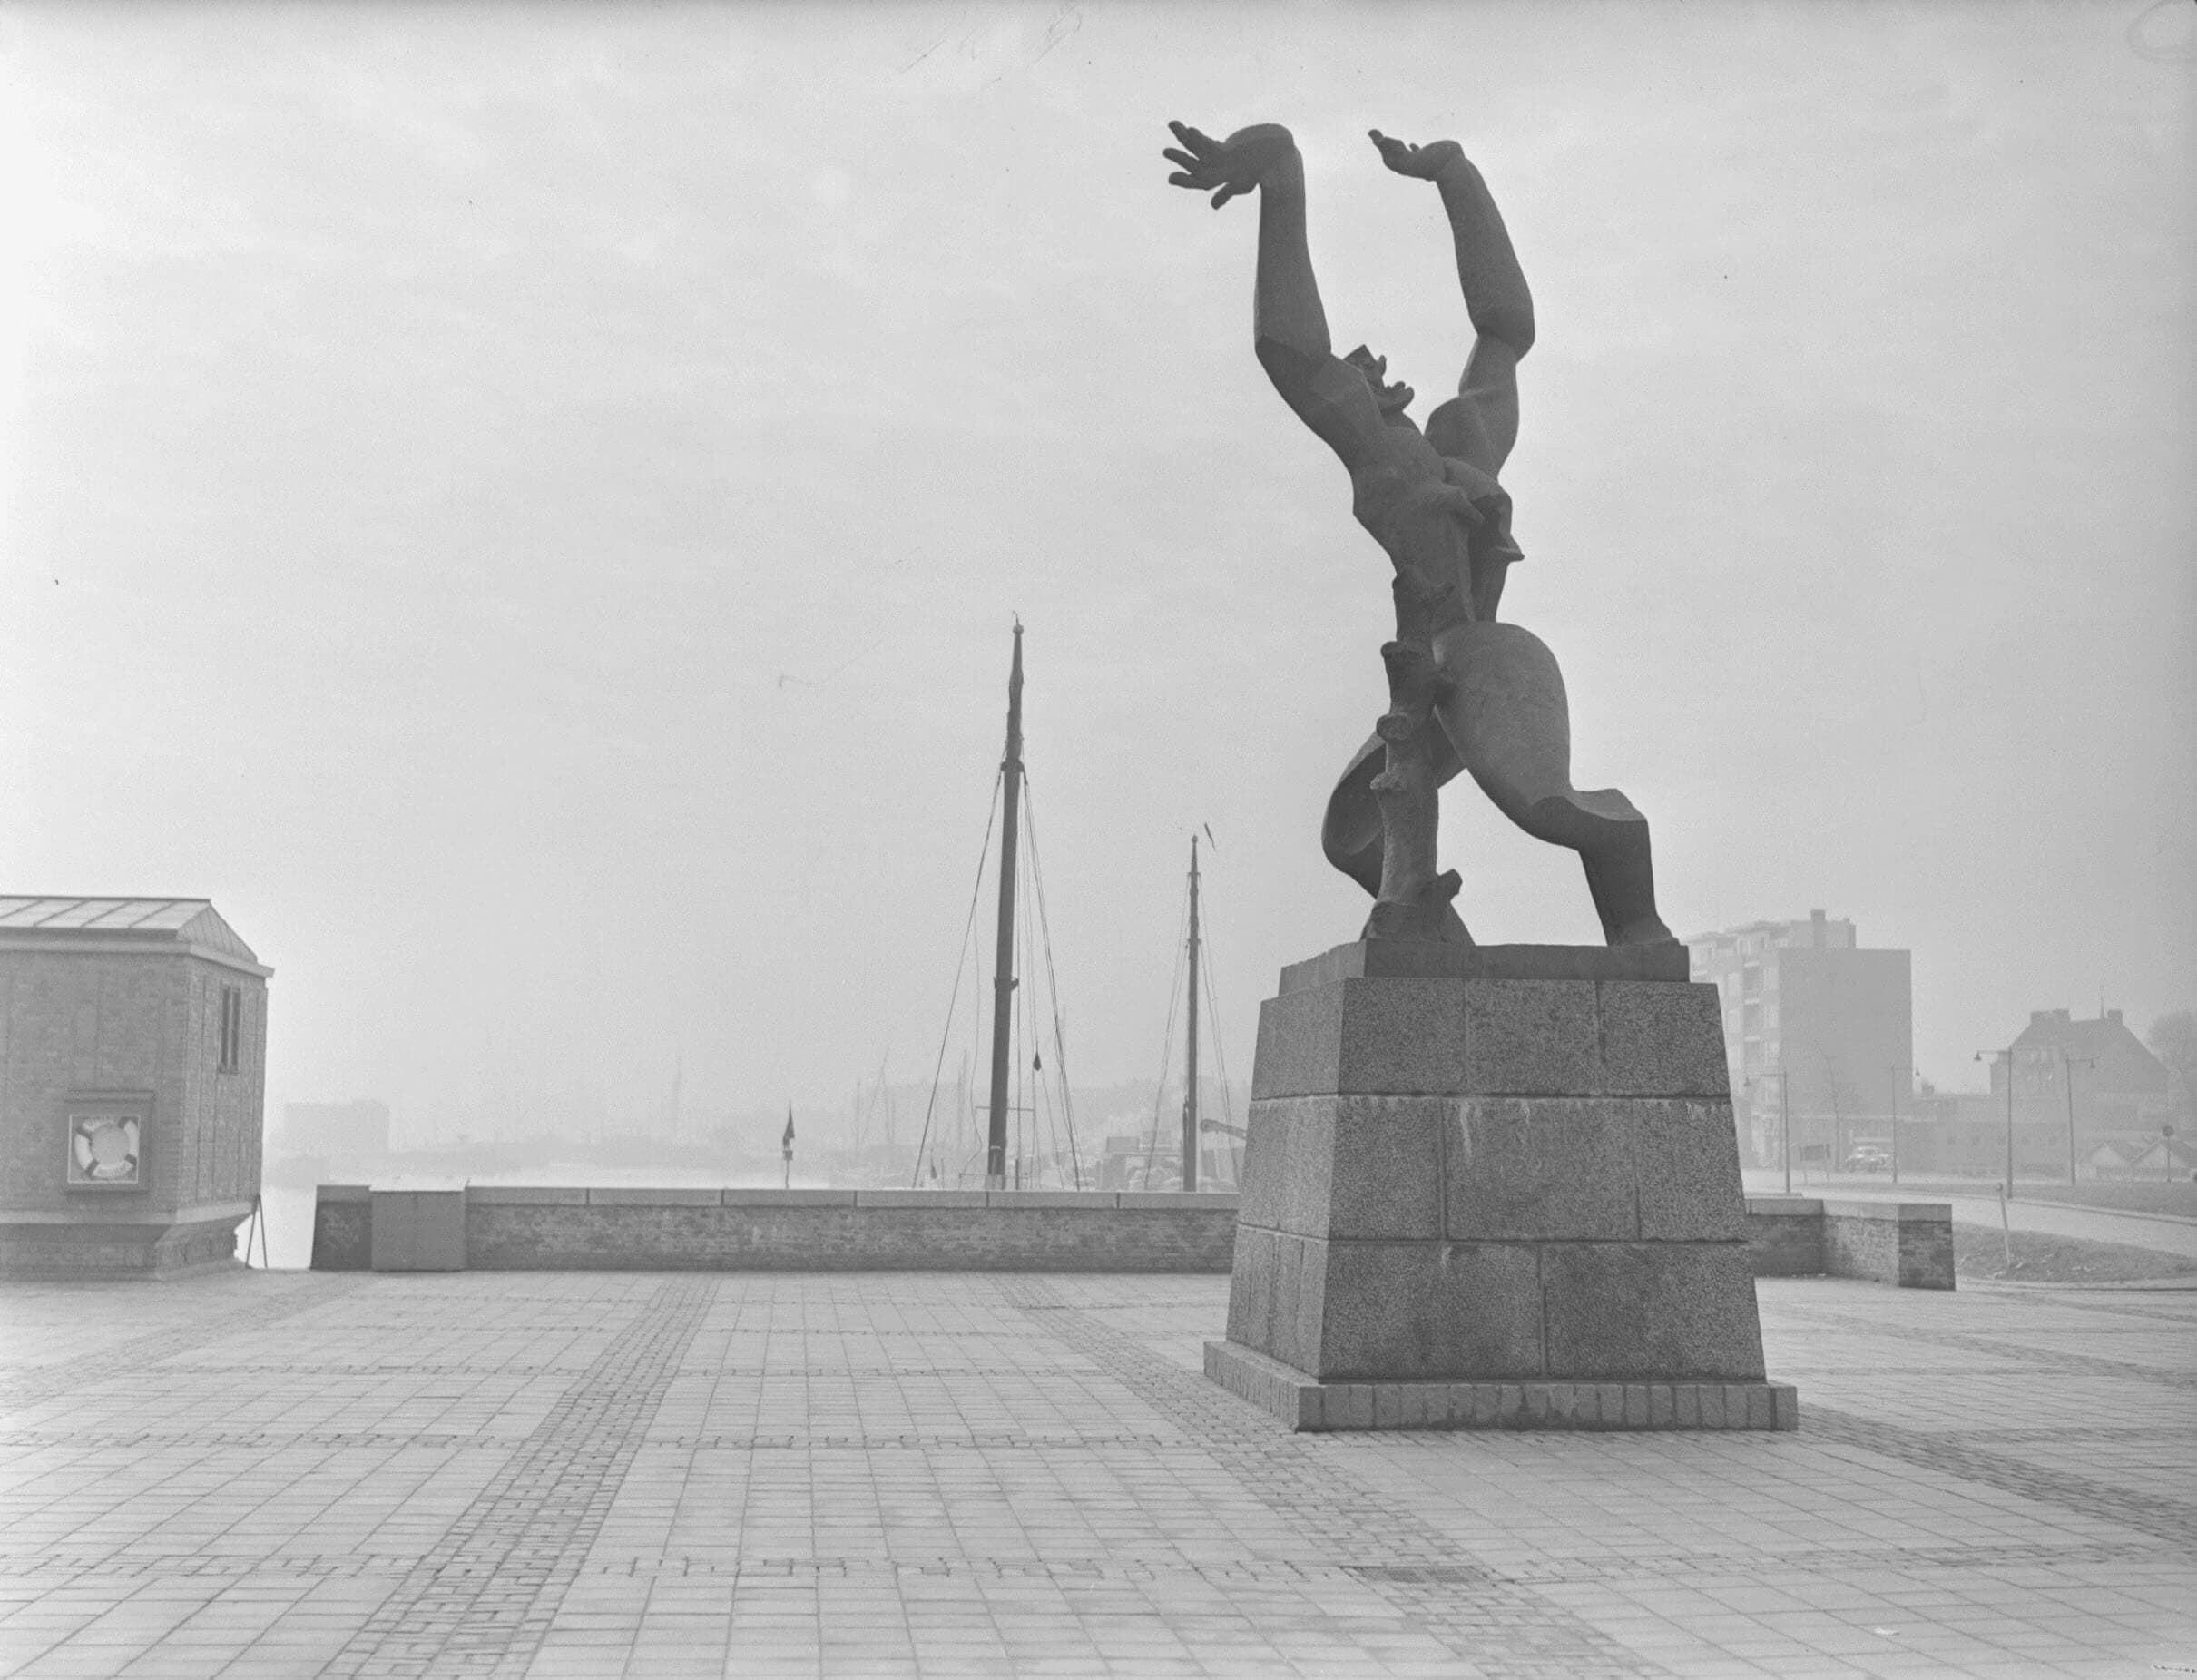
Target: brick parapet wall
<point>570,1228</point>
<point>1785,1236</point>
<point>1906,1243</point>
<point>578,1228</point>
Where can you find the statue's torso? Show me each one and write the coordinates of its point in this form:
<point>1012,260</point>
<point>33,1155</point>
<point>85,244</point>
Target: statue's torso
<point>1408,497</point>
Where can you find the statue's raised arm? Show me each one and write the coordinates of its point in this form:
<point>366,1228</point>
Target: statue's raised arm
<point>1481,423</point>
<point>1289,325</point>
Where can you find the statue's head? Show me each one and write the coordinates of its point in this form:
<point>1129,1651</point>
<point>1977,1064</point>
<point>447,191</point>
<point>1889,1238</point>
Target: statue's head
<point>1390,398</point>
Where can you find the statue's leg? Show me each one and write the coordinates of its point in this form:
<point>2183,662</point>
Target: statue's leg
<point>1351,833</point>
<point>1507,716</point>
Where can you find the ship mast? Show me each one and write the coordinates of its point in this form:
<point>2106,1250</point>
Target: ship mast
<point>1189,1075</point>
<point>1003,962</point>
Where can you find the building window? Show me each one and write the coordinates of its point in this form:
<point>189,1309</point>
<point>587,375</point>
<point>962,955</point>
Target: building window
<point>232,1029</point>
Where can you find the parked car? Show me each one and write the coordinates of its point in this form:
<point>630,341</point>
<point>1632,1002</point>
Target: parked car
<point>1868,1158</point>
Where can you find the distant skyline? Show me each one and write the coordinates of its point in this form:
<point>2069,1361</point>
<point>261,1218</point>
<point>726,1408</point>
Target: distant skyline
<point>523,505</point>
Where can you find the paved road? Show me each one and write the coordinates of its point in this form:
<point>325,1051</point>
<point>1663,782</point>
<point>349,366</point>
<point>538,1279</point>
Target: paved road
<point>2089,1224</point>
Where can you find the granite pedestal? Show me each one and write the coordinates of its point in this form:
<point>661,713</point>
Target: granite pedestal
<point>1484,1198</point>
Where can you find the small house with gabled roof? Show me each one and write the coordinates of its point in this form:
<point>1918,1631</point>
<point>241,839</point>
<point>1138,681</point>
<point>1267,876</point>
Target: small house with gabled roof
<point>132,1084</point>
<point>2098,1070</point>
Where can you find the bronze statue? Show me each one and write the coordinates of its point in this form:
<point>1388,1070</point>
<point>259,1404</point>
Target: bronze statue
<point>1464,691</point>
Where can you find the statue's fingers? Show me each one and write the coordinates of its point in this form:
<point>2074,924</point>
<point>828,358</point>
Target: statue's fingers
<point>1226,193</point>
<point>1183,157</point>
<point>1180,179</point>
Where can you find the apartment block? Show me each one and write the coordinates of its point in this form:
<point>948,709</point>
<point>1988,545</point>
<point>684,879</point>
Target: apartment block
<point>1818,1033</point>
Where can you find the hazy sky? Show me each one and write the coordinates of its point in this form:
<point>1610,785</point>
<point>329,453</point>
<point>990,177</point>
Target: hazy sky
<point>523,505</point>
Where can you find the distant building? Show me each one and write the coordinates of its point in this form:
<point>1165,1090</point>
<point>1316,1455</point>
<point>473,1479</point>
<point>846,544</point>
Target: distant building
<point>2153,1157</point>
<point>1965,1133</point>
<point>2088,1102</point>
<point>133,1074</point>
<point>359,1128</point>
<point>1818,1034</point>
<point>2120,1089</point>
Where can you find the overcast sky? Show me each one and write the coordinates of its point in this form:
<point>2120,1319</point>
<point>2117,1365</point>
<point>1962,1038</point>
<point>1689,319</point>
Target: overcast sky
<point>522,506</point>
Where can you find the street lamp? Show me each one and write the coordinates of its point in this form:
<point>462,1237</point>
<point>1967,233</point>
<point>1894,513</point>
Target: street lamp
<point>2008,1054</point>
<point>1784,1123</point>
<point>1898,1075</point>
<point>2068,1063</point>
<point>1836,1157</point>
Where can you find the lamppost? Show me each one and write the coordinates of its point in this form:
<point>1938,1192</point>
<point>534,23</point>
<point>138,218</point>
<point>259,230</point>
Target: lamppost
<point>2068,1063</point>
<point>1835,1157</point>
<point>1784,1123</point>
<point>2008,1054</point>
<point>1899,1073</point>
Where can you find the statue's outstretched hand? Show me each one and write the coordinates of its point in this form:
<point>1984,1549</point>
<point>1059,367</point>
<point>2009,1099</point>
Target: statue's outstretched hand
<point>1226,168</point>
<point>1425,163</point>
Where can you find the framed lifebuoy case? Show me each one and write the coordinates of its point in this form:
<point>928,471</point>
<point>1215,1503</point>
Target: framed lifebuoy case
<point>108,1139</point>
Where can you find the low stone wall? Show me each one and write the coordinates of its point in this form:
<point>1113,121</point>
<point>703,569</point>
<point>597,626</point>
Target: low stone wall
<point>1906,1243</point>
<point>526,1229</point>
<point>522,1228</point>
<point>1785,1236</point>
<point>343,1228</point>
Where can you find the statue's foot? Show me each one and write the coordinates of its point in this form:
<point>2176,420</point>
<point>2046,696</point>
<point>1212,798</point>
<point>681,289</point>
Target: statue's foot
<point>1431,918</point>
<point>1621,878</point>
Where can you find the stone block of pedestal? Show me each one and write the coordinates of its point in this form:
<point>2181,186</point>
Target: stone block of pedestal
<point>1484,1181</point>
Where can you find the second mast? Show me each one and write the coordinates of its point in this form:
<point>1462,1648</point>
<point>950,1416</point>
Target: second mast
<point>1003,962</point>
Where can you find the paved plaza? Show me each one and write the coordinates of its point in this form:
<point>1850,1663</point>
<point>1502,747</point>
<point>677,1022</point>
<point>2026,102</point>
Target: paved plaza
<point>283,1474</point>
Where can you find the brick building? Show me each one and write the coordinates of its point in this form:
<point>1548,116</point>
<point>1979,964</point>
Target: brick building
<point>2118,1089</point>
<point>133,1072</point>
<point>1964,1134</point>
<point>1818,1034</point>
<point>2088,1099</point>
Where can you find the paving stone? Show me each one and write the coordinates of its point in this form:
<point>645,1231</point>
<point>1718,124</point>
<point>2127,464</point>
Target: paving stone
<point>777,1474</point>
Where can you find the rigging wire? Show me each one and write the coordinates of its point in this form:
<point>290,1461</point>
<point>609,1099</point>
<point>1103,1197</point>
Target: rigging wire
<point>1036,1061</point>
<point>1021,945</point>
<point>1045,923</point>
<point>1212,1006</point>
<point>967,1096</point>
<point>1228,1113</point>
<point>1167,1045</point>
<point>1040,1120</point>
<point>960,963</point>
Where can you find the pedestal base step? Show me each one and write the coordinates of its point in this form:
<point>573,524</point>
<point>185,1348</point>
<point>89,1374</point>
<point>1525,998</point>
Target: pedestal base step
<point>1306,1402</point>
